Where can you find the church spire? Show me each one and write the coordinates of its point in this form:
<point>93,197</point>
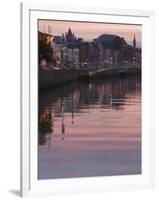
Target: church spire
<point>134,42</point>
<point>70,37</point>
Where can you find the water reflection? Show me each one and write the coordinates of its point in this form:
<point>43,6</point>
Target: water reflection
<point>96,115</point>
<point>77,97</point>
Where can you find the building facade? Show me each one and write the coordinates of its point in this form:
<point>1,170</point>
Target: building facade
<point>69,52</point>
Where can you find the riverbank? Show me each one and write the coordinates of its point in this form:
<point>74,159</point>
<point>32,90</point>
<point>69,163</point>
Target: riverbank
<point>49,79</point>
<point>54,78</point>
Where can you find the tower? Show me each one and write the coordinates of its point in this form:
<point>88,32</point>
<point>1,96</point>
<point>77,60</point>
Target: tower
<point>49,29</point>
<point>70,37</point>
<point>134,42</point>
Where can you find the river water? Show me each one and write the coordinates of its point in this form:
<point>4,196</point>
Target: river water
<point>90,129</point>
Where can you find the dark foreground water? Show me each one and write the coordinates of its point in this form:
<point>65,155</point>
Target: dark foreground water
<point>90,129</point>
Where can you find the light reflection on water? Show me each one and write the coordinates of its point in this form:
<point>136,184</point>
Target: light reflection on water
<point>90,129</point>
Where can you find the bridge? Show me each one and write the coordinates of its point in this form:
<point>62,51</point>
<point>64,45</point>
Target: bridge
<point>50,78</point>
<point>114,70</point>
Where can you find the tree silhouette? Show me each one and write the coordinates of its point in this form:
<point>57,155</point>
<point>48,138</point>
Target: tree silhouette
<point>45,49</point>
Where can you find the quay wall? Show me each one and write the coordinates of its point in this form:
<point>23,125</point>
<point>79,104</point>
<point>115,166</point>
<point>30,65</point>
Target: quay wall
<point>55,78</point>
<point>50,78</point>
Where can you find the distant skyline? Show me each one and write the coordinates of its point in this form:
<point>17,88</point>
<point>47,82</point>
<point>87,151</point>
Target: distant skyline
<point>88,31</point>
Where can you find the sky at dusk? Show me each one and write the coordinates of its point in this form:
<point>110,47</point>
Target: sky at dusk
<point>89,31</point>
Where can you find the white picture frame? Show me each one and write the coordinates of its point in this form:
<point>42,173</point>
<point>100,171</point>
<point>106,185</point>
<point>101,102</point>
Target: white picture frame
<point>30,185</point>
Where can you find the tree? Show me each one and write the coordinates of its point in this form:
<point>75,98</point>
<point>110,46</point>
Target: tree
<point>44,47</point>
